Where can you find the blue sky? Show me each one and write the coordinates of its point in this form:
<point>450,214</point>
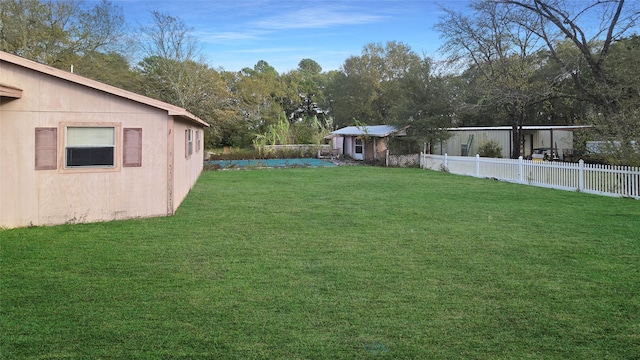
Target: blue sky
<point>235,34</point>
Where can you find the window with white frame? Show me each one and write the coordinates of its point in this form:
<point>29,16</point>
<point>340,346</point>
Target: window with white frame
<point>359,147</point>
<point>90,146</point>
<point>188,137</point>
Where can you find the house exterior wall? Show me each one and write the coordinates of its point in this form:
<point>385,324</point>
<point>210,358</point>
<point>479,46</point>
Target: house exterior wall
<point>337,142</point>
<point>30,197</point>
<point>533,139</point>
<point>375,149</point>
<point>187,168</point>
<point>453,145</point>
<point>347,145</point>
<point>373,145</point>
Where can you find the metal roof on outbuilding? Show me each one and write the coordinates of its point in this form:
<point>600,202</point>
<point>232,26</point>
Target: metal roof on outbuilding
<point>525,127</point>
<point>367,130</point>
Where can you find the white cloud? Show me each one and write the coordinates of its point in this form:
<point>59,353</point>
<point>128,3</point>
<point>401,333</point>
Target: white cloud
<point>271,50</point>
<point>317,17</point>
<point>226,36</point>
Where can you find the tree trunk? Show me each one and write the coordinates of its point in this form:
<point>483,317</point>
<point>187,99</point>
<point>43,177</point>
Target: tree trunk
<point>517,121</point>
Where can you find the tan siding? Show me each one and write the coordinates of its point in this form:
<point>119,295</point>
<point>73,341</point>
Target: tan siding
<point>30,197</point>
<point>17,173</point>
<point>186,169</point>
<point>539,138</point>
<point>170,156</point>
<point>453,145</point>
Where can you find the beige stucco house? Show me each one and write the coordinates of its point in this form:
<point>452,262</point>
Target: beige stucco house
<point>76,150</point>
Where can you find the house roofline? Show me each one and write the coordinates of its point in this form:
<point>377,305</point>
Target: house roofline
<point>524,127</point>
<point>81,80</point>
<point>360,132</point>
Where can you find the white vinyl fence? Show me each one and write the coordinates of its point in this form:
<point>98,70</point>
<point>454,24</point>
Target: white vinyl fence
<point>621,181</point>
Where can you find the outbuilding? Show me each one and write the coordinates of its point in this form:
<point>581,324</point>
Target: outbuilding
<point>466,141</point>
<point>74,150</point>
<point>366,142</point>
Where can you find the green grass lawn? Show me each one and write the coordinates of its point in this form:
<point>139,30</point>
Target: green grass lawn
<point>333,263</point>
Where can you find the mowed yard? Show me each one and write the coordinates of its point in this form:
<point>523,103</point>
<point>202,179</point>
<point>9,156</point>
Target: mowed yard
<point>333,263</point>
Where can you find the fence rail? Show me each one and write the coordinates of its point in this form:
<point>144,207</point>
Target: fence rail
<point>620,181</point>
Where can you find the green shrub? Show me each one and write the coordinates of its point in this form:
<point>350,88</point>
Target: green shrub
<point>490,149</point>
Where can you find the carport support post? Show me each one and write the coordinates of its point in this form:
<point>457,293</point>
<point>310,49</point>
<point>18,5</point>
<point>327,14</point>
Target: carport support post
<point>477,165</point>
<point>446,161</point>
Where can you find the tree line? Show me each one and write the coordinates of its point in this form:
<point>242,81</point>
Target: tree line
<point>503,62</point>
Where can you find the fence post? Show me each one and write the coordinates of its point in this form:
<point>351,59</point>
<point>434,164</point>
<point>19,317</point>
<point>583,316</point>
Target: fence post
<point>580,175</point>
<point>421,160</point>
<point>520,170</point>
<point>386,159</point>
<point>477,165</point>
<point>446,161</point>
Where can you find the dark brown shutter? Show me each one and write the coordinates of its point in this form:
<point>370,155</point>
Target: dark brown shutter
<point>132,152</point>
<point>46,148</point>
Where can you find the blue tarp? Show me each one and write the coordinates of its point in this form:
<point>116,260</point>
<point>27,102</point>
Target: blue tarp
<point>270,163</point>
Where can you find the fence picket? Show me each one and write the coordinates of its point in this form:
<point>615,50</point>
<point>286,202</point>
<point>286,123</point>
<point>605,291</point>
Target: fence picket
<point>622,181</point>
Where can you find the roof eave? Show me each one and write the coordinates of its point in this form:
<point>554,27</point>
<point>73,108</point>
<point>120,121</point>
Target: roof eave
<point>172,110</point>
<point>10,92</point>
<point>189,117</point>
